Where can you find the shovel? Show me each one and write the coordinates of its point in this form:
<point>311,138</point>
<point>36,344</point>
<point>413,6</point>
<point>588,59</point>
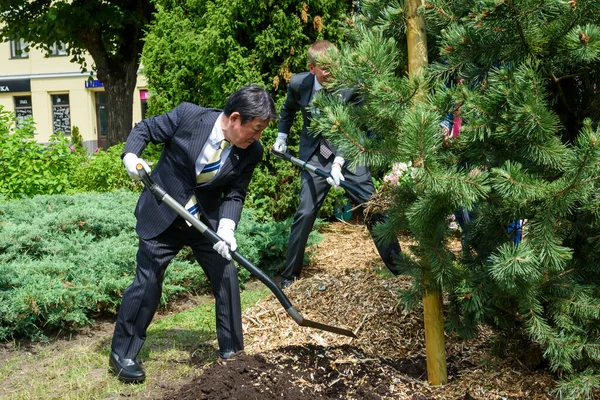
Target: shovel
<point>162,195</point>
<point>311,168</point>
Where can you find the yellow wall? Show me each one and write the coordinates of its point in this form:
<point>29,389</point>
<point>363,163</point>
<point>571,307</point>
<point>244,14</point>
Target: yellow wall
<point>57,75</point>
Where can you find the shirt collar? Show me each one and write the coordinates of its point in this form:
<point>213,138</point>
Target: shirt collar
<point>317,86</point>
<point>216,136</point>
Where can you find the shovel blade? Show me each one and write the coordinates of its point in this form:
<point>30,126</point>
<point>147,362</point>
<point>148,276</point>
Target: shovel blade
<point>328,328</point>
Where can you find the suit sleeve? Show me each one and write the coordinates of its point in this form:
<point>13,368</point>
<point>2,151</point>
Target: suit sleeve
<point>157,129</point>
<point>233,198</point>
<point>288,111</point>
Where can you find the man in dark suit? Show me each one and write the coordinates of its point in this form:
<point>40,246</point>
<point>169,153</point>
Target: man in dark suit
<point>318,152</point>
<point>206,164</point>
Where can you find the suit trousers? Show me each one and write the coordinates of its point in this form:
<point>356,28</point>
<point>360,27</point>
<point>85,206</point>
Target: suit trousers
<point>313,190</point>
<point>141,298</point>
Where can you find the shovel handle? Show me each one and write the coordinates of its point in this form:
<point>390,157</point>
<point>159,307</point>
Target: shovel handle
<point>162,195</point>
<point>317,171</point>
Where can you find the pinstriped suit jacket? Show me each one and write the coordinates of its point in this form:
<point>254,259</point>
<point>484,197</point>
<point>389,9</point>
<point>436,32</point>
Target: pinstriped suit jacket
<point>184,130</point>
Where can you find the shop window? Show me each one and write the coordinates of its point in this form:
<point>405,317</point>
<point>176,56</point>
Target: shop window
<point>61,114</point>
<point>23,109</point>
<point>19,49</point>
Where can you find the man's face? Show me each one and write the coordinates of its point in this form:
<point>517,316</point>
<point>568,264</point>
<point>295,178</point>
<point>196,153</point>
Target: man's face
<point>320,73</point>
<point>240,135</point>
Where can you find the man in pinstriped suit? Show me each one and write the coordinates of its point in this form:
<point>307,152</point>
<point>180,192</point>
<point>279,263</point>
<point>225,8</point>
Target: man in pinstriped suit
<point>191,134</point>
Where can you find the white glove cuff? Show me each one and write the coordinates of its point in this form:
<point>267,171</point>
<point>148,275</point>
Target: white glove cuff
<point>339,160</point>
<point>227,223</point>
<point>281,135</point>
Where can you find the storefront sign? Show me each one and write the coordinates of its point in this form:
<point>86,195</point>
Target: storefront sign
<point>16,85</point>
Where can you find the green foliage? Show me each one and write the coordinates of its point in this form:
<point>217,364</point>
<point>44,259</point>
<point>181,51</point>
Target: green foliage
<point>103,171</point>
<point>201,52</point>
<point>65,259</point>
<point>528,151</point>
<point>28,168</point>
<point>76,140</point>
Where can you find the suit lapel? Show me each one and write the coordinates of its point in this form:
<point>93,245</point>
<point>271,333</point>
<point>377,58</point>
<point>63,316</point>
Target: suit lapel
<point>232,159</point>
<point>306,88</point>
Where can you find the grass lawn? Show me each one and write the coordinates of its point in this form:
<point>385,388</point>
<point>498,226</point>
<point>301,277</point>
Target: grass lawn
<point>76,367</point>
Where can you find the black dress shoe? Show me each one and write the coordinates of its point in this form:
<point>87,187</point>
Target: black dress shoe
<point>226,354</point>
<point>126,369</point>
<point>286,283</point>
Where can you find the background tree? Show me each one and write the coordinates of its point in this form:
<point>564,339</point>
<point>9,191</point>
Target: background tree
<point>528,151</point>
<point>110,31</point>
<point>200,52</point>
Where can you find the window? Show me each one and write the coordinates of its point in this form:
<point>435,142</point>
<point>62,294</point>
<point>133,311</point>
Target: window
<point>19,49</point>
<point>61,119</point>
<point>58,49</point>
<point>23,109</point>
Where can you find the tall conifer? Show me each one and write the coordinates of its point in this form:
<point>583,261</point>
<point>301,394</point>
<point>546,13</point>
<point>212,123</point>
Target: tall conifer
<point>523,76</point>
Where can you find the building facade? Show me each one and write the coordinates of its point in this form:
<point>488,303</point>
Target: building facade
<point>57,94</point>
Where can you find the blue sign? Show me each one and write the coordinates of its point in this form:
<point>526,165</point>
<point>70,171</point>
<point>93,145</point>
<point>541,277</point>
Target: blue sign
<point>93,83</point>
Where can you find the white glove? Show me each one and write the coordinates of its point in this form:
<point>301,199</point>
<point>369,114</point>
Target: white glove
<point>279,145</point>
<point>131,161</point>
<point>227,242</point>
<point>336,172</point>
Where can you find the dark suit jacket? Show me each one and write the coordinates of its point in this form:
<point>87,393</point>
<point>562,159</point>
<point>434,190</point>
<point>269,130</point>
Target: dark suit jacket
<point>184,130</point>
<point>298,97</point>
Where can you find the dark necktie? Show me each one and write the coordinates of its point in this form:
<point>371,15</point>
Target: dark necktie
<point>324,149</point>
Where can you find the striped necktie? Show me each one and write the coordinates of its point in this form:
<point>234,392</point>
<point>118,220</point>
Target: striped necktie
<point>212,166</point>
<point>208,172</point>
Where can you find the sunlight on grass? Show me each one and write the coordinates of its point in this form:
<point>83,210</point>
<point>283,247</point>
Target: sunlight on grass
<point>78,370</point>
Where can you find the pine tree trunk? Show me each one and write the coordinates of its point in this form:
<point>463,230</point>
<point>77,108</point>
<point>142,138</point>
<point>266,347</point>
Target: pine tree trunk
<point>416,37</point>
<point>435,347</point>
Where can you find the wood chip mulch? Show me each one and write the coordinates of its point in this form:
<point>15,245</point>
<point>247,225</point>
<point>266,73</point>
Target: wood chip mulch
<point>346,285</point>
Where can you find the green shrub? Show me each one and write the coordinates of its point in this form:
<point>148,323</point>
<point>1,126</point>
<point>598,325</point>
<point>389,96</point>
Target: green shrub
<point>103,171</point>
<point>28,168</point>
<point>64,259</point>
<point>76,140</point>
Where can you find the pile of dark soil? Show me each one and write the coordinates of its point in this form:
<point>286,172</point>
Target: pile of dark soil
<point>302,372</point>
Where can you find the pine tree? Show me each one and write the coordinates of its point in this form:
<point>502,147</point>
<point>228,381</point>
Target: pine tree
<point>528,151</point>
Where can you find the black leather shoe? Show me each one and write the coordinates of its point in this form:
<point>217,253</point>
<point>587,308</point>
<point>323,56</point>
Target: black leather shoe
<point>286,283</point>
<point>226,354</point>
<point>126,369</point>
